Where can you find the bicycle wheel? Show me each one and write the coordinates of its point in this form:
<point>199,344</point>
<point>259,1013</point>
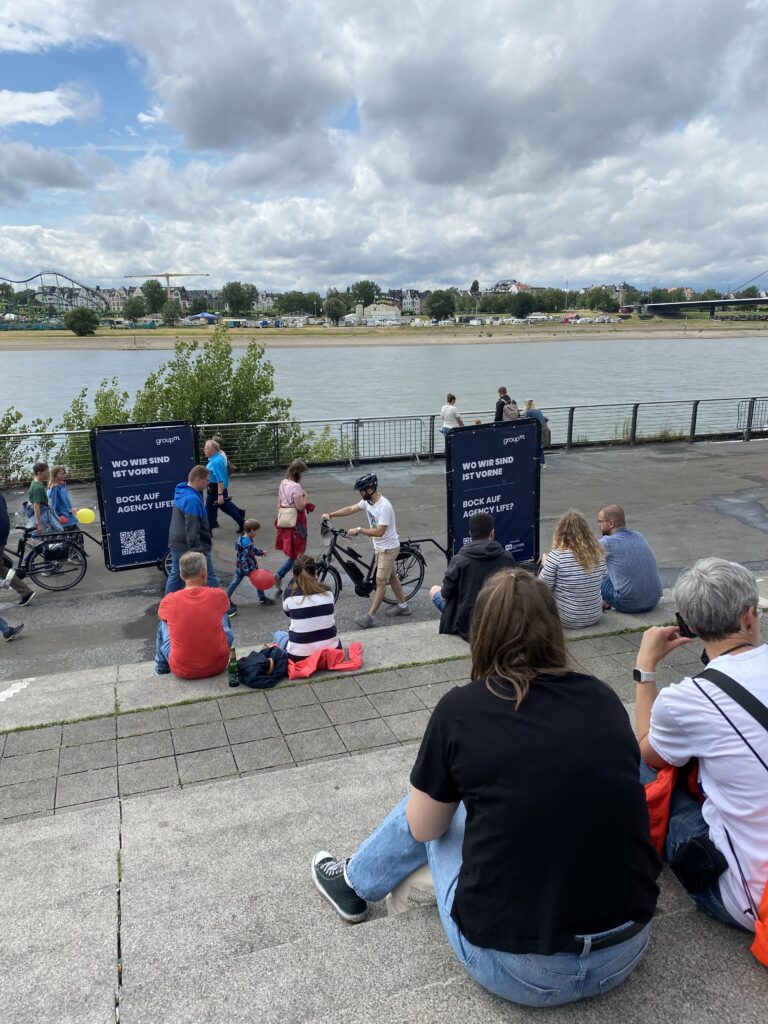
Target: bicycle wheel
<point>52,572</point>
<point>329,575</point>
<point>410,568</point>
<point>165,563</point>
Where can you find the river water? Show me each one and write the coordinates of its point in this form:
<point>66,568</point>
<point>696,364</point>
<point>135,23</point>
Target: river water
<point>393,380</point>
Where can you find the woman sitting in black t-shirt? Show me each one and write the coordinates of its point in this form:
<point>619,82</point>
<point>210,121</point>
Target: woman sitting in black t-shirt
<point>527,806</point>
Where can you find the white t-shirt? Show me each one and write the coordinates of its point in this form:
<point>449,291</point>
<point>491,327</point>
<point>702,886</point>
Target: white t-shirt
<point>685,724</point>
<point>381,514</point>
<point>450,416</point>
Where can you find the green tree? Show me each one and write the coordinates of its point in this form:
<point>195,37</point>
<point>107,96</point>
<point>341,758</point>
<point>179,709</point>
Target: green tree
<point>81,321</point>
<point>748,293</point>
<point>364,292</point>
<point>154,294</point>
<point>298,302</point>
<point>250,297</point>
<point>233,298</point>
<point>522,304</point>
<point>335,306</point>
<point>474,291</point>
<point>134,308</point>
<point>198,305</point>
<point>441,303</point>
<point>171,312</point>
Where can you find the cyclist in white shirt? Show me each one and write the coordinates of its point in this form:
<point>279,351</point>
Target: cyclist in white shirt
<point>382,529</point>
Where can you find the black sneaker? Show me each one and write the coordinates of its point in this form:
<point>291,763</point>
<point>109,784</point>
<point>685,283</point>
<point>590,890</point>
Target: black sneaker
<point>266,601</point>
<point>328,876</point>
<point>15,630</point>
<point>27,598</point>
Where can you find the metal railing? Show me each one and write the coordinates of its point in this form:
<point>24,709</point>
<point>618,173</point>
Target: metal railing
<point>274,443</point>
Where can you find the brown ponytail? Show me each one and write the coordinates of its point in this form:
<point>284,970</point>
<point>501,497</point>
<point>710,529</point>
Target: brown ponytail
<point>305,576</point>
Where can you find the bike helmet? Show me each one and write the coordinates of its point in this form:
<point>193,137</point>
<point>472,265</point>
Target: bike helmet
<point>367,481</point>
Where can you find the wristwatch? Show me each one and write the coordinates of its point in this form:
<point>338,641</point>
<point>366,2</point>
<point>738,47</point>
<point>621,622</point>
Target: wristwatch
<point>643,677</point>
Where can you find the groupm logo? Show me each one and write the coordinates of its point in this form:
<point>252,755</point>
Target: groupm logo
<point>167,440</point>
<point>514,439</point>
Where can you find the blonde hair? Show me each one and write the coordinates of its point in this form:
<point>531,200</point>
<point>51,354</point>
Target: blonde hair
<point>54,472</point>
<point>572,533</point>
<point>305,576</point>
<point>516,634</point>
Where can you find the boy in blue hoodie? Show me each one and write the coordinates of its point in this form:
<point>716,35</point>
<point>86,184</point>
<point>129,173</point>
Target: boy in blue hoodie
<point>245,555</point>
<point>190,530</point>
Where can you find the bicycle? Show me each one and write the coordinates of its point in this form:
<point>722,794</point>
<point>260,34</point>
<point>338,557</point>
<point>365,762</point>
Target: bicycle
<point>57,562</point>
<point>411,566</point>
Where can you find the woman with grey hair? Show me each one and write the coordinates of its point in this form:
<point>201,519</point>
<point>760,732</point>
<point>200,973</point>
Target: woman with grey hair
<point>719,848</point>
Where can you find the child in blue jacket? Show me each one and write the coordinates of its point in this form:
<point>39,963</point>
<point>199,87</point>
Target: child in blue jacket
<point>245,555</point>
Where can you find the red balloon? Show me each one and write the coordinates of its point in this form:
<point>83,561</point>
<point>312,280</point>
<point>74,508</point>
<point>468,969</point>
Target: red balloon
<point>261,579</point>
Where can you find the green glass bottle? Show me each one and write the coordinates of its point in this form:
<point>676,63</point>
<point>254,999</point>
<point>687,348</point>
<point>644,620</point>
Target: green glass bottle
<point>233,671</point>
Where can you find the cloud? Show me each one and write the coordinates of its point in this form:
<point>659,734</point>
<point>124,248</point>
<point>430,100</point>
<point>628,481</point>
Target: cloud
<point>47,108</point>
<point>24,167</point>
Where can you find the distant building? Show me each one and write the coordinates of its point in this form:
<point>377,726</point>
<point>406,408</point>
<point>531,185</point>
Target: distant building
<point>411,301</point>
<point>267,300</point>
<point>380,311</point>
<point>508,288</point>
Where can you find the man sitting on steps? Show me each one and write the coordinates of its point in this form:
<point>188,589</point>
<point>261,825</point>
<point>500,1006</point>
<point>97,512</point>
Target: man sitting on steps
<point>193,638</point>
<point>632,583</point>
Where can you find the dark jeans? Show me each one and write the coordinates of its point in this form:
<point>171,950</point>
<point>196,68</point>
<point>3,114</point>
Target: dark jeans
<point>609,596</point>
<point>228,507</point>
<point>175,582</point>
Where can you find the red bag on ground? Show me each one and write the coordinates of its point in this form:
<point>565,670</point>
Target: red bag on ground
<point>330,658</point>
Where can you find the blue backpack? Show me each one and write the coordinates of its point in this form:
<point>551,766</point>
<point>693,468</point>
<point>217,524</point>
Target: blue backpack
<point>263,669</point>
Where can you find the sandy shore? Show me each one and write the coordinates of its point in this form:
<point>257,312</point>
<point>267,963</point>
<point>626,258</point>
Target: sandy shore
<point>26,341</point>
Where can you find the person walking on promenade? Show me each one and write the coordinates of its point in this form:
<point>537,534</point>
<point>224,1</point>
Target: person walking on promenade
<point>59,499</point>
<point>25,593</point>
<point>9,632</point>
<point>218,488</point>
<point>506,408</point>
<point>574,571</point>
<point>718,849</point>
<point>291,521</point>
<point>466,573</point>
<point>190,529</point>
<point>308,603</point>
<point>450,415</point>
<point>530,410</point>
<point>245,562</point>
<point>543,869</point>
<point>38,506</point>
<point>632,583</point>
<point>382,530</point>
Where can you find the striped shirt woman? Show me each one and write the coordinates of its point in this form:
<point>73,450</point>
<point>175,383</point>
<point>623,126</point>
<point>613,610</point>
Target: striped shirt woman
<point>574,571</point>
<point>309,605</point>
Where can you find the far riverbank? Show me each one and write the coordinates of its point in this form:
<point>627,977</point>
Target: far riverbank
<point>371,337</point>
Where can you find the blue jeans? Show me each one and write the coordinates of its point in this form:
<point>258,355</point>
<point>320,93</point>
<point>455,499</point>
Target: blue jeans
<point>237,579</point>
<point>391,853</point>
<point>438,601</point>
<point>285,568</point>
<point>175,582</point>
<point>609,596</point>
<point>685,822</point>
<point>163,643</point>
<point>5,629</point>
<point>228,507</point>
<point>280,637</point>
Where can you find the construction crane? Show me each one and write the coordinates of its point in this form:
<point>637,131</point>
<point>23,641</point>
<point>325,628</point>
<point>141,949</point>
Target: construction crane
<point>167,277</point>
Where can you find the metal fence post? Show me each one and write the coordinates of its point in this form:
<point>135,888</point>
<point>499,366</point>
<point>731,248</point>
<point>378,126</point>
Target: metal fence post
<point>750,413</point>
<point>569,433</point>
<point>432,438</point>
<point>357,442</point>
<point>633,424</point>
<point>694,417</point>
<point>276,443</point>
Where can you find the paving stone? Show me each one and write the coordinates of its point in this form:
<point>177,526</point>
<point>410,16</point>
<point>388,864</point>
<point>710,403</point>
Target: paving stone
<point>338,688</point>
<point>194,714</point>
<point>2,744</point>
<point>460,670</point>
<point>421,674</point>
<point>353,709</point>
<point>27,798</point>
<point>199,737</point>
<point>262,754</point>
<point>43,764</point>
<point>147,775</point>
<point>254,727</point>
<point>430,695</point>
<point>86,786</point>
<point>379,682</point>
<point>243,704</point>
<point>31,740</point>
<point>291,697</point>
<point>602,645</point>
<point>318,743</point>
<point>206,764</point>
<point>362,735</point>
<point>144,747</point>
<point>87,756</point>
<point>143,721</point>
<point>410,726</point>
<point>302,719</point>
<point>396,702</point>
<point>89,732</point>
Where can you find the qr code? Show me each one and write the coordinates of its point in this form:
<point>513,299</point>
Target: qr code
<point>133,542</point>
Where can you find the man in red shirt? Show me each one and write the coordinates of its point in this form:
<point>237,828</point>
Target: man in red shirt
<point>193,637</point>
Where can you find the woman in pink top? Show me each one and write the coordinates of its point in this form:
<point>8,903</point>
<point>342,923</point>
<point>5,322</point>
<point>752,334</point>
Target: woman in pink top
<point>292,540</point>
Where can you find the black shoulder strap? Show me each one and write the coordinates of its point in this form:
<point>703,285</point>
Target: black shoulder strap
<point>737,692</point>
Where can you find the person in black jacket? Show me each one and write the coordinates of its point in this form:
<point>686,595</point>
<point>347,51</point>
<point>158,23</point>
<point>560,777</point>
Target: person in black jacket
<point>18,585</point>
<point>466,573</point>
<point>190,529</point>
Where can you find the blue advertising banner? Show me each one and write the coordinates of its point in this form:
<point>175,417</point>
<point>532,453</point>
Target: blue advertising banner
<point>137,468</point>
<point>494,468</point>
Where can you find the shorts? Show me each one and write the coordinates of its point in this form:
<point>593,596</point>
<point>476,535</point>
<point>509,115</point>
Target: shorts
<point>385,562</point>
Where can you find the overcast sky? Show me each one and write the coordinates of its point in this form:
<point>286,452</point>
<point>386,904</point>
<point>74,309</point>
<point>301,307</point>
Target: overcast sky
<point>305,144</point>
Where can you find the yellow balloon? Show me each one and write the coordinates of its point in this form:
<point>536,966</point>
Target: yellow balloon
<point>85,516</point>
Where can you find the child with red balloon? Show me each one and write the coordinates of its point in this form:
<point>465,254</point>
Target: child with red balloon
<point>246,565</point>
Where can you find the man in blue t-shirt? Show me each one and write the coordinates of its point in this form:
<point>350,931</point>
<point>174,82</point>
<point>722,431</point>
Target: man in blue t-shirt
<point>632,583</point>
<point>218,488</point>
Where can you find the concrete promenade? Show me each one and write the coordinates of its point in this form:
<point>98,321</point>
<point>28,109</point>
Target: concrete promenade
<point>155,834</point>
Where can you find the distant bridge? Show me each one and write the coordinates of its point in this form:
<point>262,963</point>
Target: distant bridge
<point>676,309</point>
